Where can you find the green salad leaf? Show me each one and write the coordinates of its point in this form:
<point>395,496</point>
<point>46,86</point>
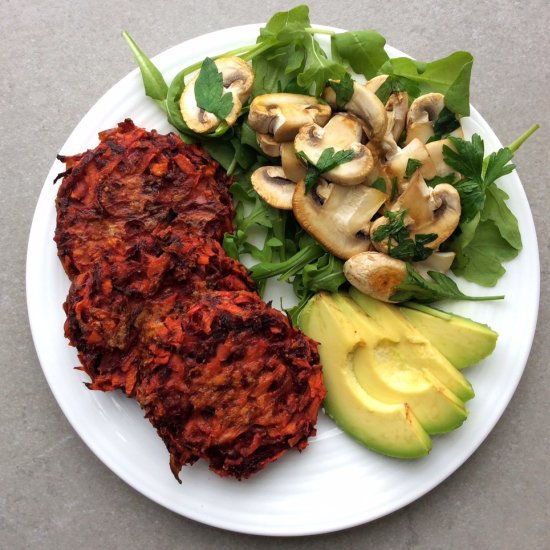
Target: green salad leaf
<point>449,76</point>
<point>488,234</point>
<point>153,81</point>
<point>363,51</point>
<point>416,288</point>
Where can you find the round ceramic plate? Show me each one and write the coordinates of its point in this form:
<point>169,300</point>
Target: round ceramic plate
<point>335,483</point>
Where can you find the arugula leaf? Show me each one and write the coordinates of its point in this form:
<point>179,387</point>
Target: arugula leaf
<point>412,166</point>
<point>288,267</point>
<point>363,50</point>
<point>290,21</point>
<point>153,81</point>
<point>209,90</point>
<point>343,89</point>
<point>318,68</point>
<point>416,288</point>
<point>328,160</point>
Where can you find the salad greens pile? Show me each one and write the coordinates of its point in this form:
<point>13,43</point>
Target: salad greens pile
<point>287,58</point>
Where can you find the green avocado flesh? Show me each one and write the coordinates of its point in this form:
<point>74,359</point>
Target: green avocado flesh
<point>390,429</point>
<point>462,341</point>
<point>392,370</point>
<point>426,356</point>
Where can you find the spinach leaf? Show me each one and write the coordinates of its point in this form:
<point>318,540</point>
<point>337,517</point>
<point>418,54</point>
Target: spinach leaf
<point>173,108</point>
<point>449,76</point>
<point>153,81</point>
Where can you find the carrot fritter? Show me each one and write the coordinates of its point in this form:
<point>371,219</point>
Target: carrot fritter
<point>229,381</point>
<point>158,310</point>
<point>106,306</point>
<point>136,191</point>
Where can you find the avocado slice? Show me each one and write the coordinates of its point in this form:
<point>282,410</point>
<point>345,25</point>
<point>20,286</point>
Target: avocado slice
<point>462,341</point>
<point>383,367</point>
<point>390,429</point>
<point>428,357</point>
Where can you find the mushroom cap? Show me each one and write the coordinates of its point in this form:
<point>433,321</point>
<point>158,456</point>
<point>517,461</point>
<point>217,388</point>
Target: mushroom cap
<point>366,105</point>
<point>237,80</point>
<point>375,274</point>
<point>342,132</point>
<point>282,115</point>
<point>271,183</point>
<point>341,221</point>
<point>429,210</point>
<point>423,112</point>
<point>292,166</point>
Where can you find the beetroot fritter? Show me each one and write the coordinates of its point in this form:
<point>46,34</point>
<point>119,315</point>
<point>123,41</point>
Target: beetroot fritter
<point>229,381</point>
<point>158,310</point>
<point>135,191</point>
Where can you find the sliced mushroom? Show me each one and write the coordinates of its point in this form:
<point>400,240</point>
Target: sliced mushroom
<point>271,183</point>
<point>292,166</point>
<point>341,222</point>
<point>342,132</point>
<point>282,115</point>
<point>397,166</point>
<point>366,105</point>
<point>397,108</point>
<point>237,80</point>
<point>429,210</point>
<point>375,274</point>
<point>374,83</point>
<point>423,112</point>
<point>268,145</point>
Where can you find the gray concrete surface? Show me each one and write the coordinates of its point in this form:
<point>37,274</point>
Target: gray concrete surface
<point>57,59</point>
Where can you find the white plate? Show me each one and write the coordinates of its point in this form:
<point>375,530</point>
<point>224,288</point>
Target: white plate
<point>335,483</point>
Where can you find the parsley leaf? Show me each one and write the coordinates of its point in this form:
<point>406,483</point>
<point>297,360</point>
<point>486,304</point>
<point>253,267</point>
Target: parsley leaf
<point>412,166</point>
<point>379,184</point>
<point>343,90</point>
<point>444,124</point>
<point>406,248</point>
<point>441,287</point>
<point>328,160</point>
<point>209,91</point>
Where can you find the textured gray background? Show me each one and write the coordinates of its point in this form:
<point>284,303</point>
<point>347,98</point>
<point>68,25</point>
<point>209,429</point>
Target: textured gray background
<point>57,59</point>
